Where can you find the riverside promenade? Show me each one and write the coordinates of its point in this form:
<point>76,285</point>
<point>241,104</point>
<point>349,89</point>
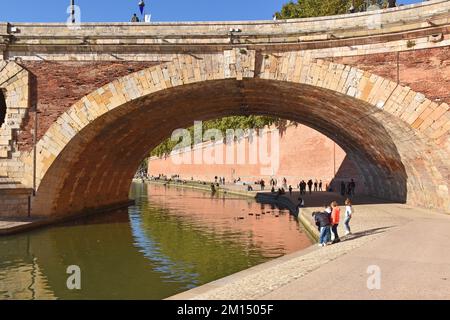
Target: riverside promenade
<point>409,246</point>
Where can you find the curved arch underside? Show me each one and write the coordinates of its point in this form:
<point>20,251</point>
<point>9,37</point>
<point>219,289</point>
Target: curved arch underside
<point>95,168</point>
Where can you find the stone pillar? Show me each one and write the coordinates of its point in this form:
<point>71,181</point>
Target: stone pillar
<point>4,39</point>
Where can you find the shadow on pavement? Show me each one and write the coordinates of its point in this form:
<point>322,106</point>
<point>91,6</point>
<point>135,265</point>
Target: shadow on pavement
<point>365,233</point>
<point>320,199</point>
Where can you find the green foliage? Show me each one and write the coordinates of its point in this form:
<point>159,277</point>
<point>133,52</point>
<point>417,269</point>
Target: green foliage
<point>223,124</point>
<point>316,8</point>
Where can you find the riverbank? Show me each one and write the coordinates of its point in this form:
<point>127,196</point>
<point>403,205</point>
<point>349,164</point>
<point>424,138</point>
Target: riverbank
<point>410,267</point>
<point>205,186</point>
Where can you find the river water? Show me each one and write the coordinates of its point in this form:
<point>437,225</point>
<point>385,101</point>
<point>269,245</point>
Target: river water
<point>172,240</point>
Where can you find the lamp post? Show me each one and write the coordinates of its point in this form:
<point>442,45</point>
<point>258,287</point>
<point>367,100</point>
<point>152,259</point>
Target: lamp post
<point>72,10</point>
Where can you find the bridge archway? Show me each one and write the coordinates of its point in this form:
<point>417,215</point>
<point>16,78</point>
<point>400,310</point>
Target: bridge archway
<point>87,159</point>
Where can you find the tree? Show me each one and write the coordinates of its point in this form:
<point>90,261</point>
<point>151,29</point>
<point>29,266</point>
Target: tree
<point>317,8</point>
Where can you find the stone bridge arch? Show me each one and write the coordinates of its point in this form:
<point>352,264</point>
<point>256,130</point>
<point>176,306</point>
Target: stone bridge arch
<point>398,138</point>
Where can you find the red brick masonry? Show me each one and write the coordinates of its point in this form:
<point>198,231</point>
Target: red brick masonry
<point>58,85</point>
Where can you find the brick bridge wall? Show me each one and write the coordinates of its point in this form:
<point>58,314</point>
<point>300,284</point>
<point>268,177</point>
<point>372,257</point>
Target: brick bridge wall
<point>426,71</point>
<point>57,85</point>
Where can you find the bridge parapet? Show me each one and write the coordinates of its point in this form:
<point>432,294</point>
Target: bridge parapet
<point>430,18</point>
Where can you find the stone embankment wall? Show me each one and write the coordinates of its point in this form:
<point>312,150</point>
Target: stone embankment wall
<point>303,154</point>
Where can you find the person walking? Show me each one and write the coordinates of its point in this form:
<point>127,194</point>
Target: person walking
<point>348,216</point>
<point>320,185</point>
<point>290,190</point>
<point>335,215</point>
<point>316,184</point>
<point>323,223</point>
<point>328,212</point>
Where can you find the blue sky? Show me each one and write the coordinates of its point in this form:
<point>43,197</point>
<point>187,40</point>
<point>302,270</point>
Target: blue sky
<point>161,10</point>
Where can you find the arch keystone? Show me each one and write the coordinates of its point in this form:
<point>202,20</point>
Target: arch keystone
<point>239,63</point>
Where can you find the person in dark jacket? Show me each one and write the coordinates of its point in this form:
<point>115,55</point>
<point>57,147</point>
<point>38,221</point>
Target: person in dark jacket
<point>134,18</point>
<point>322,220</point>
<point>310,184</point>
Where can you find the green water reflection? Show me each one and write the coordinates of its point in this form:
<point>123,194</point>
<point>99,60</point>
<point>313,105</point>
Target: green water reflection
<point>168,242</point>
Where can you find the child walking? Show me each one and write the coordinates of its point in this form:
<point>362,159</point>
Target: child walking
<point>348,216</point>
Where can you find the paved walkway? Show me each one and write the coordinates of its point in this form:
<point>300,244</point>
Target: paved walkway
<point>410,246</point>
<point>10,226</point>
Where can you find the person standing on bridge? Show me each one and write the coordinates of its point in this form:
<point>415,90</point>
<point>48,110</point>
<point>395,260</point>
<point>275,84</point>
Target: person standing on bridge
<point>134,18</point>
